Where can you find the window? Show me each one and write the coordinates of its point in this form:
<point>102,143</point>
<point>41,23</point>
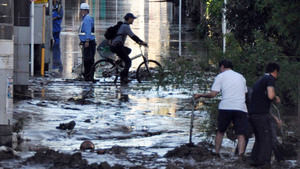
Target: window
<point>6,11</point>
<point>22,12</point>
<point>6,20</point>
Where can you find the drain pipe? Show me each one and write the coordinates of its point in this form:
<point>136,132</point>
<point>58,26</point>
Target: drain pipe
<point>32,38</point>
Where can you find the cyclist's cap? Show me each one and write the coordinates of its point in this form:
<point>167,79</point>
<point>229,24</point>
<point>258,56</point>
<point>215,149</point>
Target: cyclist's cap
<point>129,15</point>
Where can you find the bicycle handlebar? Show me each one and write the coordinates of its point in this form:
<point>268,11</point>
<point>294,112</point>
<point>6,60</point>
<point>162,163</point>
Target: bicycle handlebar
<point>145,45</point>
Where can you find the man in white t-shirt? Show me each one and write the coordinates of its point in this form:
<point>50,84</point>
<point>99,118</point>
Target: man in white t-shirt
<point>232,107</point>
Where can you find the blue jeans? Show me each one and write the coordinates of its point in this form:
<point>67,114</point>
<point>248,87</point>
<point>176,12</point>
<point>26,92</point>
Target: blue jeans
<point>56,52</point>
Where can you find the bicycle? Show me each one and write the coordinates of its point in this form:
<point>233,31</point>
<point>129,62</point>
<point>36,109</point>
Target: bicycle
<point>108,69</point>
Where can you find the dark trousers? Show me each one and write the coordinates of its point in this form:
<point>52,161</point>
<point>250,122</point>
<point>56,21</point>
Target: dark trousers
<point>262,149</point>
<point>123,53</point>
<point>89,60</point>
<point>56,52</point>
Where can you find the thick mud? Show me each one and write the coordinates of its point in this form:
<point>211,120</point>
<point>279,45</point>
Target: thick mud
<point>85,125</point>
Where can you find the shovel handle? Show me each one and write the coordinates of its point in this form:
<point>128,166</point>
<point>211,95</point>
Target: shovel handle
<point>192,120</point>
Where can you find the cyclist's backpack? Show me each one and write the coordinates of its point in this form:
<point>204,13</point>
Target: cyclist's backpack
<point>112,31</point>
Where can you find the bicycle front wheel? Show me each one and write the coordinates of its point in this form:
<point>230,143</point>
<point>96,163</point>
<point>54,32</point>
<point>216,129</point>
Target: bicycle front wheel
<point>105,71</point>
<point>149,72</point>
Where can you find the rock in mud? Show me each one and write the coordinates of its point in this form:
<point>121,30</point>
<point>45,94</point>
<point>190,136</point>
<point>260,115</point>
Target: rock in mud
<point>67,126</point>
<point>87,145</point>
<point>197,152</point>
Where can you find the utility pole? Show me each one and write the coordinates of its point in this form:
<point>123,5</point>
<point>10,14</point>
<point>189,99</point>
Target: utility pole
<point>224,29</point>
<point>179,39</point>
<point>32,38</point>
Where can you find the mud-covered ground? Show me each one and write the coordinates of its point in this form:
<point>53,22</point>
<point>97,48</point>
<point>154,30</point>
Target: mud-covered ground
<point>134,126</point>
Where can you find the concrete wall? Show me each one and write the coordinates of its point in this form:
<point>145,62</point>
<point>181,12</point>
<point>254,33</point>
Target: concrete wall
<point>6,71</point>
<point>21,55</point>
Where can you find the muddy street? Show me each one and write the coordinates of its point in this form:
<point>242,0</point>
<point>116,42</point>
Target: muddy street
<point>134,126</point>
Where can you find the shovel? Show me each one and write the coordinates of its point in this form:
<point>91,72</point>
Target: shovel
<point>278,115</point>
<point>192,123</point>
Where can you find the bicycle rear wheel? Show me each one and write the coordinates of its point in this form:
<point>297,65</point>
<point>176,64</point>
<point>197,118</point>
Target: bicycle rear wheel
<point>152,72</point>
<point>105,71</point>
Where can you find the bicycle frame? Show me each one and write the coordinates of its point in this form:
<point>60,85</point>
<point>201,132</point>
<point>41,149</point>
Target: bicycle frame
<point>139,55</point>
<point>118,65</point>
<point>145,58</point>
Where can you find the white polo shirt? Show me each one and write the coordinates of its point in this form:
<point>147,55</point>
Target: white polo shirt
<point>233,87</point>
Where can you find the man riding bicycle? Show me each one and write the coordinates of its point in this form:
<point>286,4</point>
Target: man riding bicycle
<point>117,45</point>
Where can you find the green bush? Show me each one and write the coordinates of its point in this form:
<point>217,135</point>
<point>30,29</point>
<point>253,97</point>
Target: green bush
<point>251,59</point>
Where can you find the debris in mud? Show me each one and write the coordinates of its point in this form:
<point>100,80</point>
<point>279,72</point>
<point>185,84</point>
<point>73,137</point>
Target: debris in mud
<point>87,120</point>
<point>87,145</point>
<point>42,104</point>
<point>54,160</point>
<point>7,153</point>
<point>67,126</point>
<point>198,152</point>
<point>113,150</point>
<point>69,108</point>
<point>81,101</point>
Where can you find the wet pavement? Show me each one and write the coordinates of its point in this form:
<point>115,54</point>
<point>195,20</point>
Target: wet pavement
<point>133,125</point>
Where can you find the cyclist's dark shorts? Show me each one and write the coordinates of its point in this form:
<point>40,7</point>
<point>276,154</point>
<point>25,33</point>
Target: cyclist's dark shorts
<point>239,119</point>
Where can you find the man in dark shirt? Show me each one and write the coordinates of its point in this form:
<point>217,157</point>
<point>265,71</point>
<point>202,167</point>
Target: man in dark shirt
<point>260,118</point>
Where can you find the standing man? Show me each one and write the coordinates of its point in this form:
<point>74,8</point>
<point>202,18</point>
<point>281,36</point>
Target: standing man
<point>87,40</point>
<point>57,15</point>
<point>260,118</point>
<point>117,44</point>
<point>232,107</point>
